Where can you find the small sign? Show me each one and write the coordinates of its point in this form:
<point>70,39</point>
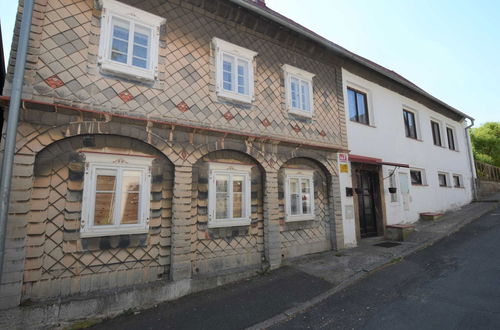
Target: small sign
<point>344,168</point>
<point>343,158</point>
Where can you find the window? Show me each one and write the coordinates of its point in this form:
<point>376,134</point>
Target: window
<point>451,138</point>
<point>116,195</point>
<point>229,195</point>
<point>442,178</point>
<point>299,195</point>
<point>299,90</point>
<point>358,106</point>
<point>417,177</point>
<point>436,133</point>
<point>234,66</point>
<point>457,181</point>
<point>129,40</point>
<point>410,124</point>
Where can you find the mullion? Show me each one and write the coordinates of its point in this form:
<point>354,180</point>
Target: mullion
<point>131,43</point>
<point>118,197</point>
<point>357,107</point>
<point>230,196</point>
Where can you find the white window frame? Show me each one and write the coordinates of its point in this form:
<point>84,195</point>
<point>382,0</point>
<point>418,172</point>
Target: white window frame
<point>290,72</point>
<point>95,161</point>
<point>460,178</point>
<point>114,9</point>
<point>448,181</point>
<point>443,137</point>
<point>229,169</point>
<point>422,175</point>
<point>239,53</point>
<point>298,174</point>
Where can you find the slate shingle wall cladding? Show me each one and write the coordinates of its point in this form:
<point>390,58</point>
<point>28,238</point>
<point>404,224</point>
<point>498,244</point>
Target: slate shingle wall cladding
<point>67,72</point>
<point>304,237</point>
<point>55,252</point>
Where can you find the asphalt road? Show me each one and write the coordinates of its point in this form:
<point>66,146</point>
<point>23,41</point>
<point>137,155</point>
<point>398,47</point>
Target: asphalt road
<point>454,284</point>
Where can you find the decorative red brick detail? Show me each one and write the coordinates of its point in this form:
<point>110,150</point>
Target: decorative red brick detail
<point>54,81</point>
<point>296,128</point>
<point>266,122</point>
<point>271,162</point>
<point>228,115</point>
<point>182,106</point>
<point>184,155</point>
<point>322,133</point>
<point>125,96</point>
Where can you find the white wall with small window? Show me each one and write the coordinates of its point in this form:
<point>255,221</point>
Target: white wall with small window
<point>298,91</point>
<point>234,67</point>
<point>299,195</point>
<point>229,195</point>
<point>444,179</point>
<point>129,40</point>
<point>116,194</point>
<point>457,180</point>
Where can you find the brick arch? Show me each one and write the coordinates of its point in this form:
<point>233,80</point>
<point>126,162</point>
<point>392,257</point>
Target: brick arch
<point>318,158</point>
<point>33,144</point>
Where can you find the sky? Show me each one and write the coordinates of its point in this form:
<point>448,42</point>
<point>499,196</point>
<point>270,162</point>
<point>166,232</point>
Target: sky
<point>450,48</point>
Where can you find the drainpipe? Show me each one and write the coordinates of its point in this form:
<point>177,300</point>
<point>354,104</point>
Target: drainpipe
<point>471,160</point>
<point>12,121</point>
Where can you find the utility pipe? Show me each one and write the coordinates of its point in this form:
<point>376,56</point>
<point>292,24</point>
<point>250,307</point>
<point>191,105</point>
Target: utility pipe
<point>471,160</point>
<point>12,121</point>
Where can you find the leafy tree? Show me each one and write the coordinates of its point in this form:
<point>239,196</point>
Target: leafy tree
<point>486,143</point>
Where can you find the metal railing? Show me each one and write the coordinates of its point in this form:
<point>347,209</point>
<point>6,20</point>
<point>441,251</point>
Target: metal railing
<point>487,172</point>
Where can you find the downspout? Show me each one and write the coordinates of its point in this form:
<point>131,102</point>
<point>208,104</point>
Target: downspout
<point>471,160</point>
<point>12,121</point>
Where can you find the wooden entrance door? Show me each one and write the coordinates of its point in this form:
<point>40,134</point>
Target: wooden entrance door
<point>366,203</point>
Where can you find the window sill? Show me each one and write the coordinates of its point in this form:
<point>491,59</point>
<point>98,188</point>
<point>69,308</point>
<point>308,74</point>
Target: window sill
<point>445,187</point>
<point>235,97</point>
<point>301,113</point>
<point>415,139</point>
<point>114,232</point>
<point>127,71</point>
<point>229,223</point>
<point>419,185</point>
<point>292,218</point>
<point>363,124</point>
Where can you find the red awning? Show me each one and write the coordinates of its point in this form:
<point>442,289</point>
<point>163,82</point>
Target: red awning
<point>374,161</point>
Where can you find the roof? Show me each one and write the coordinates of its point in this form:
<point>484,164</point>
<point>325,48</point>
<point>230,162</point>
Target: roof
<point>272,15</point>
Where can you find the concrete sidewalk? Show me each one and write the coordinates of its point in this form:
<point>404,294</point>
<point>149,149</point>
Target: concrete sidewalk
<point>265,300</point>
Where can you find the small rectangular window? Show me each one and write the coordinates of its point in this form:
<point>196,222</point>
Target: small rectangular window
<point>299,195</point>
<point>410,124</point>
<point>436,133</point>
<point>457,181</point>
<point>358,106</point>
<point>442,180</point>
<point>451,138</point>
<point>416,177</point>
<point>299,90</point>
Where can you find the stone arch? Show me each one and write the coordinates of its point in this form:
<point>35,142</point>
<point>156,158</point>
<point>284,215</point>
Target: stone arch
<point>313,234</point>
<point>224,249</point>
<point>56,254</point>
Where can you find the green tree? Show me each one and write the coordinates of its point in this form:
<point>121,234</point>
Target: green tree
<point>486,143</point>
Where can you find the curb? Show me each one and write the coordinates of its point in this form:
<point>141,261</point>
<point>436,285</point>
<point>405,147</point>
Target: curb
<point>291,312</point>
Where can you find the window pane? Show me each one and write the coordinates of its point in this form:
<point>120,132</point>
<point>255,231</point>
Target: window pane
<point>294,89</point>
<point>435,133</point>
<point>119,42</point>
<point>451,140</point>
<point>305,96</point>
<point>141,46</point>
<point>442,180</point>
<point>105,180</point>
<point>140,63</point>
<point>141,36</point>
<point>243,77</point>
<point>238,196</point>
<point>131,183</point>
<point>351,95</point>
<point>362,111</point>
<point>221,202</point>
<point>120,32</point>
<point>227,72</point>
<point>456,180</point>
<point>294,196</point>
<point>104,208</point>
<point>306,196</point>
<point>416,177</point>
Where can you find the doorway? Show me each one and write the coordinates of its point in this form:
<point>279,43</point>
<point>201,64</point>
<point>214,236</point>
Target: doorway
<point>367,185</point>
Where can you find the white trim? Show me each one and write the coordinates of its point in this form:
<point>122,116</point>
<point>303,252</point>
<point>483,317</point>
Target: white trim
<point>134,16</point>
<point>239,53</point>
<point>299,174</point>
<point>230,170</point>
<point>290,72</point>
<point>118,163</point>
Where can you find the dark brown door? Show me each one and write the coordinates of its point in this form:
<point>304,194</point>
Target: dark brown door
<point>366,203</point>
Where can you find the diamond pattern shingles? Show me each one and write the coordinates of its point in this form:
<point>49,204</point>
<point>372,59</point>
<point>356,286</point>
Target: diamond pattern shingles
<point>69,48</point>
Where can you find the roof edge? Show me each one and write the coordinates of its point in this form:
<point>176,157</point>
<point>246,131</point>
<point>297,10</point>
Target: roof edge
<point>280,19</point>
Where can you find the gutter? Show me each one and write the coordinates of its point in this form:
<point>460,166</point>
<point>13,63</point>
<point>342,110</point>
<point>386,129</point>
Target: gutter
<point>275,17</point>
<point>12,121</point>
<point>471,161</point>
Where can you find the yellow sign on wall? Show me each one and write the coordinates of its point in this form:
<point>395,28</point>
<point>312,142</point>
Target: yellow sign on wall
<point>344,168</point>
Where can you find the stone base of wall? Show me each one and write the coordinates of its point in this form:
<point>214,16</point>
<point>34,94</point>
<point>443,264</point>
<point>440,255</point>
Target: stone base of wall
<point>487,188</point>
<point>62,312</point>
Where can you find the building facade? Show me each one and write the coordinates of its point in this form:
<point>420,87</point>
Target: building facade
<point>169,142</point>
<point>405,158</point>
